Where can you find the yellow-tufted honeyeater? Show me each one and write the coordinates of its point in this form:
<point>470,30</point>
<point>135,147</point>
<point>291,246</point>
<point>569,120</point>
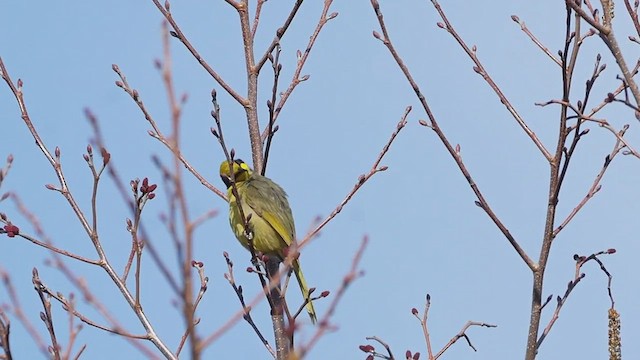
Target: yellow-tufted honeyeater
<point>265,204</point>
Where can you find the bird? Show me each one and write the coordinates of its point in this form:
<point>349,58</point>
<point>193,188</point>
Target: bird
<point>264,204</point>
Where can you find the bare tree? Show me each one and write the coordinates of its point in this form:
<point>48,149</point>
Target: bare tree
<point>581,111</point>
<point>574,123</point>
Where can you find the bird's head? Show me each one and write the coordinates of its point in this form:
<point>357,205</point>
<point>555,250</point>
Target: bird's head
<point>237,171</point>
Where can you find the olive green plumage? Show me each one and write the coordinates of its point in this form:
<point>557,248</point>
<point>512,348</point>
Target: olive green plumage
<point>270,219</point>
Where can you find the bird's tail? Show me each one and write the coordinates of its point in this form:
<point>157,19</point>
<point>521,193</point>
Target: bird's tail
<point>305,290</point>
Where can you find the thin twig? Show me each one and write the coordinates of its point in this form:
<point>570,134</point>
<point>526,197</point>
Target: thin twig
<point>324,325</point>
<point>256,18</point>
<point>535,40</point>
<point>177,33</point>
<point>178,200</point>
<point>45,244</point>
<point>606,33</point>
<point>46,316</point>
<point>425,330</point>
<point>296,79</point>
<point>125,192</point>
<point>279,34</point>
<point>5,335</point>
<point>247,309</point>
<point>271,130</point>
<point>362,179</point>
<point>595,186</point>
<point>371,350</point>
<point>463,334</point>
<point>633,14</point>
<point>43,290</point>
<point>17,310</point>
<point>578,276</point>
<point>479,68</point>
<point>157,133</point>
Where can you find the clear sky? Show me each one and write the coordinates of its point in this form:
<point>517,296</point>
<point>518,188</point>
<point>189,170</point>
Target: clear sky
<point>425,233</point>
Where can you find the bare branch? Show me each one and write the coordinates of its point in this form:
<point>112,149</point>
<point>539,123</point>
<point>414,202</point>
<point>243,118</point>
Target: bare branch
<point>375,168</point>
<point>177,33</point>
<point>324,324</point>
<point>463,334</point>
<point>479,68</point>
<point>578,276</point>
<point>606,33</point>
<point>454,152</point>
<point>296,79</point>
<point>535,40</point>
<point>157,133</point>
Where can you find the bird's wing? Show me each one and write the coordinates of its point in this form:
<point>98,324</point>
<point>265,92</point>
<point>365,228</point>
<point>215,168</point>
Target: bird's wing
<point>273,208</point>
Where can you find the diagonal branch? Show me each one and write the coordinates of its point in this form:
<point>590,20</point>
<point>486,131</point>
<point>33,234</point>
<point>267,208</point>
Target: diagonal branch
<point>177,33</point>
<point>375,168</point>
<point>454,152</point>
<point>479,68</point>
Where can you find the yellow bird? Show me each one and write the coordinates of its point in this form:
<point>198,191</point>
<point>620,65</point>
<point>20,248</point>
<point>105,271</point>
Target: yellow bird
<point>270,219</point>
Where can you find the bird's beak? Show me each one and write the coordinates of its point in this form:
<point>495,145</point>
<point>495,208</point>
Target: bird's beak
<point>226,179</point>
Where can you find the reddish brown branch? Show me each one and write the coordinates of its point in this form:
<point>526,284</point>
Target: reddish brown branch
<point>633,14</point>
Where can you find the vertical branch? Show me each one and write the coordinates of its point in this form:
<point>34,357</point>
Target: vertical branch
<point>175,107</point>
<point>5,331</point>
<point>131,204</point>
<point>280,331</point>
<point>251,105</point>
<point>256,18</point>
<point>296,79</point>
<point>271,130</point>
<point>16,309</point>
<point>606,33</point>
<point>46,316</point>
<point>568,60</point>
<point>177,33</point>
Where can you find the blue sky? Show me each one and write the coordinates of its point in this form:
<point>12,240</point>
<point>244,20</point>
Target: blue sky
<point>426,235</point>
